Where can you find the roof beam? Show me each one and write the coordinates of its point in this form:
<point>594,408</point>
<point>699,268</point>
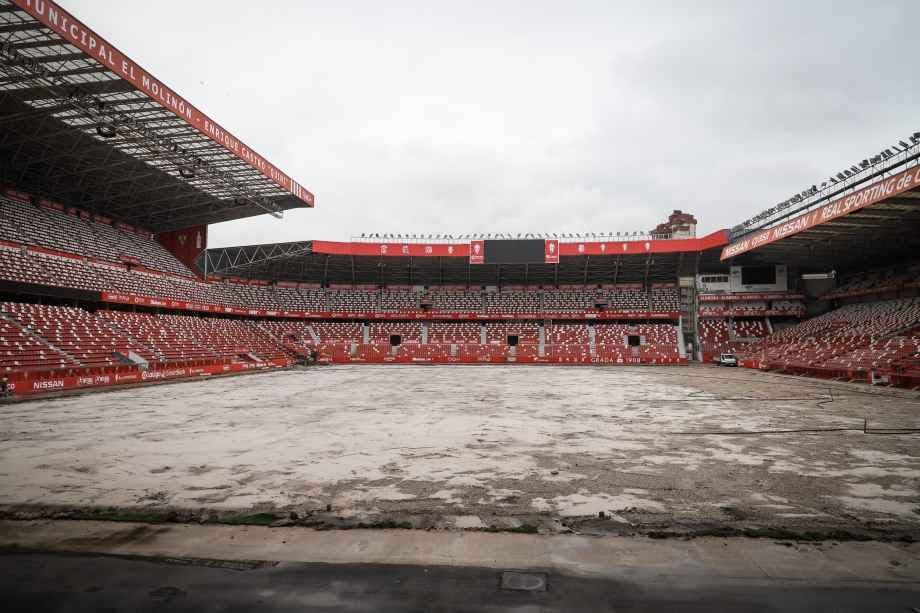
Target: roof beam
<point>95,88</point>
<point>23,26</point>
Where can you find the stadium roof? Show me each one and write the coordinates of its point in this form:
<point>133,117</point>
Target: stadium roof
<point>327,262</point>
<point>83,124</point>
<point>875,225</point>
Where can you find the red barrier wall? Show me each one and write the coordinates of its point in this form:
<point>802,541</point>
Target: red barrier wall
<point>340,353</point>
<point>186,244</point>
<point>24,384</point>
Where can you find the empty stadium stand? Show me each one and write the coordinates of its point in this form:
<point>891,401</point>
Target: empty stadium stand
<point>445,332</point>
<point>82,338</point>
<point>17,265</point>
<point>78,234</point>
<point>714,335</point>
<point>526,333</point>
<point>512,300</point>
<point>23,351</point>
<point>750,328</point>
<point>337,331</point>
<point>851,341</point>
<point>878,281</point>
<point>567,334</point>
<point>408,332</point>
<point>455,300</point>
<point>167,342</point>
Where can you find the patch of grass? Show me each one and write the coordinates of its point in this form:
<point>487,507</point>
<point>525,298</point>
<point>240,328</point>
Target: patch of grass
<point>254,519</point>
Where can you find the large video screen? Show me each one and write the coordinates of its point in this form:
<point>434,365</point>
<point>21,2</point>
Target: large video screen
<point>514,251</point>
<point>758,275</point>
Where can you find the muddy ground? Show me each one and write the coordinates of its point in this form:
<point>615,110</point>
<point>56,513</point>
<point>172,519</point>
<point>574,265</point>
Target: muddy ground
<point>653,449</point>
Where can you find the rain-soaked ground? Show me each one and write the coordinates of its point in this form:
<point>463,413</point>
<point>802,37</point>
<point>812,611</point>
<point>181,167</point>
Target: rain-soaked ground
<point>651,448</point>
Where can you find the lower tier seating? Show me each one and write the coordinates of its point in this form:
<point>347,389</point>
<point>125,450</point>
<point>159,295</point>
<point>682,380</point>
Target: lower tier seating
<point>81,336</point>
<point>860,337</point>
<point>23,351</point>
<point>45,337</point>
<point>466,332</point>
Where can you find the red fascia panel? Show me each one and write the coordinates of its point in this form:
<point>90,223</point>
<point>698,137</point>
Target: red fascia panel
<point>462,250</point>
<point>392,249</point>
<point>674,245</point>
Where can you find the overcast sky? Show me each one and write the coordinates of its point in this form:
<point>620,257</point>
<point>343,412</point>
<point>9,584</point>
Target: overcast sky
<point>434,117</point>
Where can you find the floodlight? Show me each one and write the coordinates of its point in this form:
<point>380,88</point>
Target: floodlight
<point>106,130</point>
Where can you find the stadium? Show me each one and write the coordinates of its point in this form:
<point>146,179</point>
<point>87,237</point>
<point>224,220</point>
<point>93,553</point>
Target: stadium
<point>543,383</point>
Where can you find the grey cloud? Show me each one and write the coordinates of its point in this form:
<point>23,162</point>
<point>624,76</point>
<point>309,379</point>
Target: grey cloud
<point>517,117</point>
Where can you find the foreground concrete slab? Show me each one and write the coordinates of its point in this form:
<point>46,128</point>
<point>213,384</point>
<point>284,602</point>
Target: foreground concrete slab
<point>610,557</point>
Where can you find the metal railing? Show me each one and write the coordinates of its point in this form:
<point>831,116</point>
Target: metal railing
<point>816,196</point>
<point>563,237</point>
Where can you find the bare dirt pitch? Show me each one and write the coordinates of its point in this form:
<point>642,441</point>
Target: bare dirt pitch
<point>653,449</point>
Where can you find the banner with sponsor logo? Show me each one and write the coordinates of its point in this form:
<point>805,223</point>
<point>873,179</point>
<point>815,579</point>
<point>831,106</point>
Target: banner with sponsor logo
<point>742,297</point>
<point>477,252</point>
<point>79,35</point>
<point>39,384</point>
<point>861,199</point>
<point>552,251</point>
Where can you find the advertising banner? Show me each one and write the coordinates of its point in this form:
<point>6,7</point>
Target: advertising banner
<point>552,251</point>
<point>477,252</point>
<point>861,199</point>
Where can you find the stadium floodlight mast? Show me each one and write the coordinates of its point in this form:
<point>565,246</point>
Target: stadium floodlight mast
<point>847,178</point>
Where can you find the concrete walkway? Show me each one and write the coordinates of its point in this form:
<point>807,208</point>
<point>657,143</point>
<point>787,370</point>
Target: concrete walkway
<point>712,559</point>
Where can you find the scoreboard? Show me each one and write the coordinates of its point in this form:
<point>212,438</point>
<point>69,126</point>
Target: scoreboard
<point>518,251</point>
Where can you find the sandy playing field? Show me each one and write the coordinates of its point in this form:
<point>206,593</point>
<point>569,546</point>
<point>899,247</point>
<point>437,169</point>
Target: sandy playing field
<point>474,446</point>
